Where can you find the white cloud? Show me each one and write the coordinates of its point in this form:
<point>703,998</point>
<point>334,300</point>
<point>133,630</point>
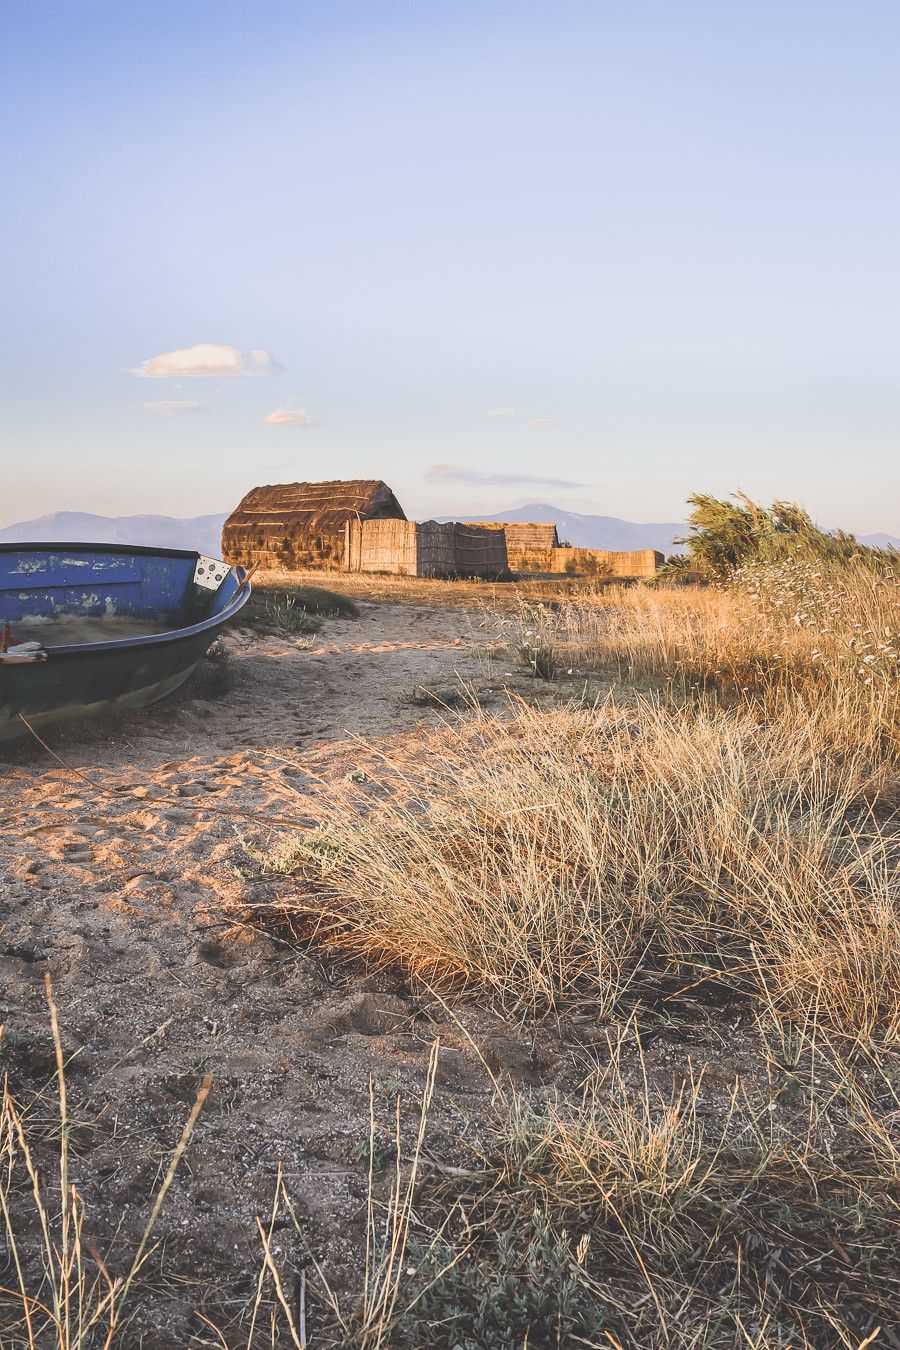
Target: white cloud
<point>543,423</point>
<point>456,473</point>
<point>501,410</point>
<point>287,417</point>
<point>174,407</point>
<point>208,358</point>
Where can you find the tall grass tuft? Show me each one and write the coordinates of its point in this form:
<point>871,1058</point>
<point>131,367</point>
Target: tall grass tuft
<point>571,854</point>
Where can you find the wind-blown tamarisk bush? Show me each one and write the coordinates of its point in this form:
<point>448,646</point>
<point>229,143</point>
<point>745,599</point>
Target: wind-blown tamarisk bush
<point>729,533</point>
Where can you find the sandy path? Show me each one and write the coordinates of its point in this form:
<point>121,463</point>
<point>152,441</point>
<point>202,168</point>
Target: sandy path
<point>135,907</point>
<point>357,678</point>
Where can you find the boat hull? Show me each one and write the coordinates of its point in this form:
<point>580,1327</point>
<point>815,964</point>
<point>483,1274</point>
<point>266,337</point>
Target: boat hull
<point>93,684</point>
<point>95,678</point>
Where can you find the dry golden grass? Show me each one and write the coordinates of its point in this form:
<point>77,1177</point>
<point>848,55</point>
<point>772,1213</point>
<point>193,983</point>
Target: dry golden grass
<point>726,827</point>
<point>554,856</point>
<point>729,832</point>
<point>638,1160</point>
<point>823,638</point>
<point>702,1228</point>
<point>506,595</point>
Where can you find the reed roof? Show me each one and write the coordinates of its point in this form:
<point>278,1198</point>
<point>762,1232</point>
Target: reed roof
<point>314,509</point>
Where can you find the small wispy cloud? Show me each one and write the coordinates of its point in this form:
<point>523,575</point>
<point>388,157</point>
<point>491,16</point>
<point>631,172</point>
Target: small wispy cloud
<point>501,410</point>
<point>287,417</point>
<point>454,473</point>
<point>207,359</point>
<point>542,423</point>
<point>175,407</point>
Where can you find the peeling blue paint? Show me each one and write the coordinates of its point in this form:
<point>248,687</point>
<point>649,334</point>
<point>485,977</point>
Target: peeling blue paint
<point>82,677</point>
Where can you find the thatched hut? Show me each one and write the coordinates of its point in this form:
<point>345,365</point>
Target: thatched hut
<point>297,525</point>
<point>424,548</point>
<point>529,544</point>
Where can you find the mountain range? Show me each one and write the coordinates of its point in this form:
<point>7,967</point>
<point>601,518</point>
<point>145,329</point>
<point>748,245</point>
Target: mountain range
<point>880,540</point>
<point>606,532</point>
<point>204,533</point>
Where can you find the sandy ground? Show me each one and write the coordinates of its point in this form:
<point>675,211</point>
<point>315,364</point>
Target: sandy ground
<point>137,904</point>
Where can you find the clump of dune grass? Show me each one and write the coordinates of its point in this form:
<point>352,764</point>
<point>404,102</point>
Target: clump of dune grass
<point>637,1160</point>
<point>287,606</point>
<point>281,613</point>
<point>315,599</point>
<point>594,852</point>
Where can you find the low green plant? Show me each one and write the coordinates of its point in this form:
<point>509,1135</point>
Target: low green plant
<point>281,614</point>
<point>522,1286</point>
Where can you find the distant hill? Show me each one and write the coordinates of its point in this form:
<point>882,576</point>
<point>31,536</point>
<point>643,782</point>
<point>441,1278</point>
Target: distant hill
<point>880,540</point>
<point>203,533</point>
<point>593,531</point>
<point>608,532</point>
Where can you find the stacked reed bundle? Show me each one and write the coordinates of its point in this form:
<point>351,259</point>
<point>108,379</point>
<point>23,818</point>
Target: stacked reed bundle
<point>424,549</point>
<point>529,544</point>
<point>642,562</point>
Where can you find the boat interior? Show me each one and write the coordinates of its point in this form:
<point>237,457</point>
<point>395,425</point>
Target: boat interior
<point>60,595</point>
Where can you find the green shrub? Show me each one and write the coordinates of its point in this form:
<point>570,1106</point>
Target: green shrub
<point>727,533</point>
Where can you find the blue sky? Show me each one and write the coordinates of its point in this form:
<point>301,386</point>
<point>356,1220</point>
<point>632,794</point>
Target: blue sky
<point>637,249</point>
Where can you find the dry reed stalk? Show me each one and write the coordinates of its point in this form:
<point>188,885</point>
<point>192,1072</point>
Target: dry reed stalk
<point>372,1322</point>
<point>78,1306</point>
<point>159,1200</point>
<point>385,1257</point>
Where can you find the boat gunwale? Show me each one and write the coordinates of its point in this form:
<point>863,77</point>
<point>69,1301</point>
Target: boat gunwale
<point>170,635</point>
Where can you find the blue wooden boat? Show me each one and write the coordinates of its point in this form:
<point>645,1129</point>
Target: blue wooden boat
<point>93,628</point>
